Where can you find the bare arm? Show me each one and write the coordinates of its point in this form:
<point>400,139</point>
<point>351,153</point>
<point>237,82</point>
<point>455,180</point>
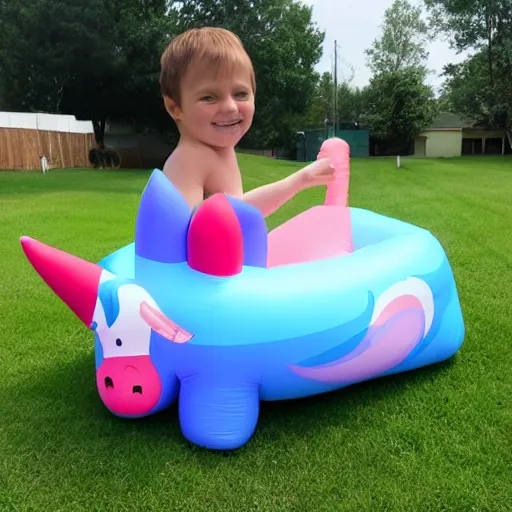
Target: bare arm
<point>271,197</point>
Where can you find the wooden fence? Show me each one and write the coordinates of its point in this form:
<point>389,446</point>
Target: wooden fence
<point>23,148</point>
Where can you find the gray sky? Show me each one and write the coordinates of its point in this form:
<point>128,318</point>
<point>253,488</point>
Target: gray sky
<point>354,24</point>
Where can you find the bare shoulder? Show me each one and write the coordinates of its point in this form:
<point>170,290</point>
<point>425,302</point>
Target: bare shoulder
<point>223,175</point>
<point>187,174</point>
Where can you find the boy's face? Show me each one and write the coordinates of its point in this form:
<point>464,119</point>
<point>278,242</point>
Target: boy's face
<point>216,110</point>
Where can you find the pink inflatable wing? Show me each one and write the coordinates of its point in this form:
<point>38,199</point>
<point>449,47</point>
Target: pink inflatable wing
<point>321,232</point>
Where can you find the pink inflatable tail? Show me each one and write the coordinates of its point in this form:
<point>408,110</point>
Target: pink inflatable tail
<point>338,151</point>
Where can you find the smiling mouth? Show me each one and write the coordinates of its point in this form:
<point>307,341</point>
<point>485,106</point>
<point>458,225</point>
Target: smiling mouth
<point>227,125</point>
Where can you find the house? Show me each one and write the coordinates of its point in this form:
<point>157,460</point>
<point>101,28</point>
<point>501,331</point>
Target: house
<point>451,136</point>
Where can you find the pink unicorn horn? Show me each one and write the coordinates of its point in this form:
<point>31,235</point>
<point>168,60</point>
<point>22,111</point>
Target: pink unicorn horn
<point>74,280</point>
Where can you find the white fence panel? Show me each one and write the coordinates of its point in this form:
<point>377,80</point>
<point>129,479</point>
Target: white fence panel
<point>45,122</point>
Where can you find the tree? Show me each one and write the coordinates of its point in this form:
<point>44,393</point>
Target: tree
<point>399,106</point>
<point>350,104</point>
<point>484,26</point>
<point>90,58</point>
<point>321,105</point>
<point>467,91</point>
<point>403,40</point>
<point>284,45</point>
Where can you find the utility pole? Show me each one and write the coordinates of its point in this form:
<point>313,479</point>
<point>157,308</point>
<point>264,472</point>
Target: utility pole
<point>335,116</point>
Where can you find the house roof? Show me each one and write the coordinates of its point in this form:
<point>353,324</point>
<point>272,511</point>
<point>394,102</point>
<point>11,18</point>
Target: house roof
<point>448,120</point>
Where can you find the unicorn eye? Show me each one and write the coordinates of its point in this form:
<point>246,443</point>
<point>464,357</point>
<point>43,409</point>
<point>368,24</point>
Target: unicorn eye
<point>119,342</point>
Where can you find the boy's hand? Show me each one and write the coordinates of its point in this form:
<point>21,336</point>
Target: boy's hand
<point>320,172</point>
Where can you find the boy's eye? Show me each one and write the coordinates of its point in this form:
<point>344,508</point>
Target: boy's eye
<point>206,98</point>
<point>242,94</point>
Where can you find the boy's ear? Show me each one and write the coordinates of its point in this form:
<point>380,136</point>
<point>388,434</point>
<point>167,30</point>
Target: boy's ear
<point>172,107</point>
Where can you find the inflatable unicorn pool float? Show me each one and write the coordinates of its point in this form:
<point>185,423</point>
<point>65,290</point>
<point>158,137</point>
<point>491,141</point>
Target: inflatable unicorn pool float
<point>207,308</point>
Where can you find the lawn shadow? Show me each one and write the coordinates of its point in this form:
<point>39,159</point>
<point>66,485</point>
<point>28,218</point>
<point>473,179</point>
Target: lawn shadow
<point>338,407</point>
<point>281,422</point>
<point>68,409</point>
<point>63,403</point>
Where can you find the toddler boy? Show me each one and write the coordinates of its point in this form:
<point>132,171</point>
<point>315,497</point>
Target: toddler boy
<point>208,86</point>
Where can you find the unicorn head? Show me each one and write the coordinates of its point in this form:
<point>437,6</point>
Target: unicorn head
<point>223,235</point>
<point>123,316</point>
<point>124,320</point>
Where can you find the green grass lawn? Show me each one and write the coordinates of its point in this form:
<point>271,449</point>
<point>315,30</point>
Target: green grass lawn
<point>439,438</point>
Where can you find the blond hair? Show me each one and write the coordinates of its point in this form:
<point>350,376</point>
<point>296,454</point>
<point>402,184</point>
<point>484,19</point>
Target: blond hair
<point>208,45</point>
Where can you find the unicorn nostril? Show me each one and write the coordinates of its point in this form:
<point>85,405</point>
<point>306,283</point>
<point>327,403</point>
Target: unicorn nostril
<point>109,383</point>
<point>137,389</point>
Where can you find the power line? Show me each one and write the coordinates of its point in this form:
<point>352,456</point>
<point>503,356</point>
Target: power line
<point>335,117</point>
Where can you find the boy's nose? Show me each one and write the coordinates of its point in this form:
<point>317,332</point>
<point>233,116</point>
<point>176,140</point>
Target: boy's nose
<point>230,105</point>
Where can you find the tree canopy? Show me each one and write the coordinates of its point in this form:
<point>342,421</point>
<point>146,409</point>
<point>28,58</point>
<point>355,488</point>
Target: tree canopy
<point>480,88</point>
<point>90,58</point>
<point>398,104</point>
<point>403,41</point>
<point>98,59</point>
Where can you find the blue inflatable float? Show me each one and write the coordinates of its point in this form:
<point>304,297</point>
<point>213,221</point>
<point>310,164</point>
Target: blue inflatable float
<point>192,310</point>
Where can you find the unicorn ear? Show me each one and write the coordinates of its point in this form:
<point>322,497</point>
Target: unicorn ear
<point>254,232</point>
<point>162,222</point>
<point>215,243</point>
